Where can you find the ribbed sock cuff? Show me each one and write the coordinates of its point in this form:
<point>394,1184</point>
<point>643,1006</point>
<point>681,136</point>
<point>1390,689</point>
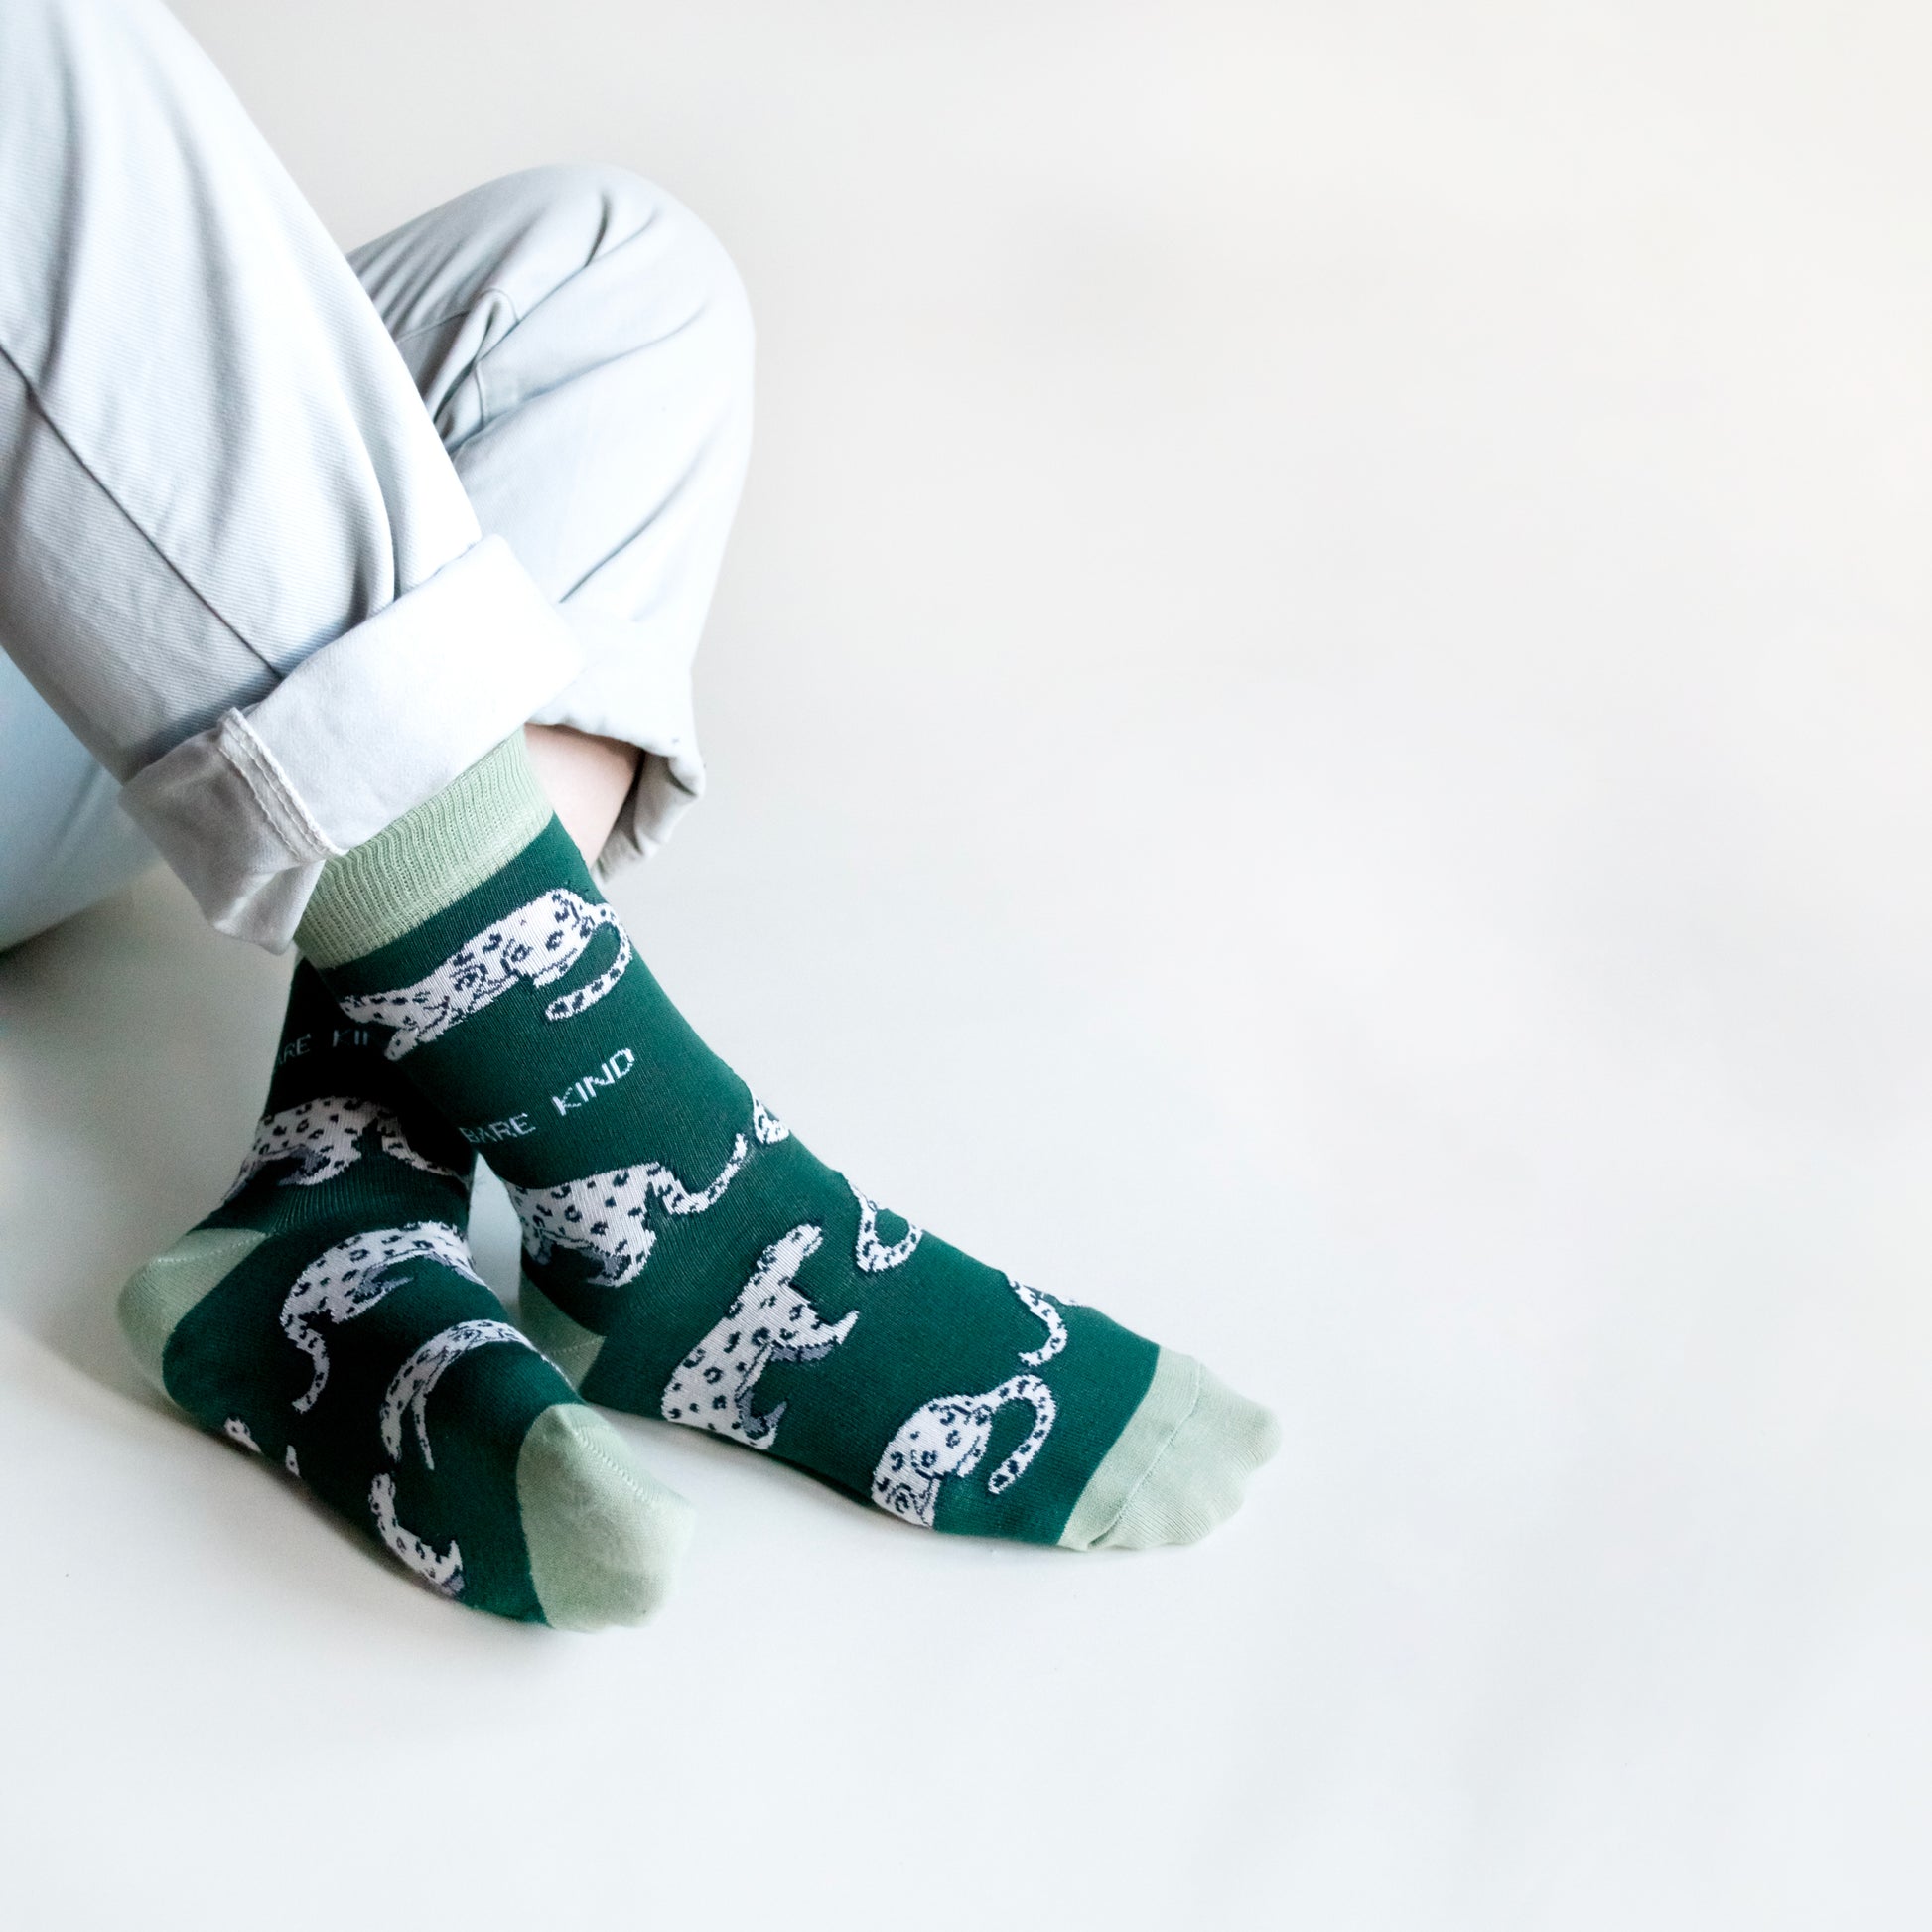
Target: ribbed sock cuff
<point>425,861</point>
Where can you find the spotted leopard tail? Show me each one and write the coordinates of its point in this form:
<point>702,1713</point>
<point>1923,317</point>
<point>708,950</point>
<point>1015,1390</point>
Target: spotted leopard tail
<point>566,1004</point>
<point>1022,1388</point>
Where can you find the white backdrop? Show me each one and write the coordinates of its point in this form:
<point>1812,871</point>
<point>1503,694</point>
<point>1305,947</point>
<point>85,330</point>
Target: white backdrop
<point>1323,685</point>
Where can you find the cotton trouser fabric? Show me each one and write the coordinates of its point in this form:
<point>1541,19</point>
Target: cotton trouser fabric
<point>65,842</point>
<point>288,540</point>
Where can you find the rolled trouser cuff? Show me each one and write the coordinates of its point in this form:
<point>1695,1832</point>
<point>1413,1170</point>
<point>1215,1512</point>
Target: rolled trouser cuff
<point>635,688</point>
<point>361,731</point>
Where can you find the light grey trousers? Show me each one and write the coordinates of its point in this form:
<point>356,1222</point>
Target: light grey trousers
<point>288,540</point>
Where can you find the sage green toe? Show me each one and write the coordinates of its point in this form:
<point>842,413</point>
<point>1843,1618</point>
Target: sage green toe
<point>1181,1465</point>
<point>605,1536</point>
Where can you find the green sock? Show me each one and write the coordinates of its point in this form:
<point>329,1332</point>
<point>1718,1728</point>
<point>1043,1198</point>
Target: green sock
<point>687,1257</point>
<point>326,1318</point>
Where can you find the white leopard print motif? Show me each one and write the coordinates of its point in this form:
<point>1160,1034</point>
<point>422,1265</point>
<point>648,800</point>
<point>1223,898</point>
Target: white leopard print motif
<point>408,1395</point>
<point>409,1392</point>
<point>441,1570</point>
<point>238,1432</point>
<point>768,1321</point>
<point>1042,1306</point>
<point>946,1439</point>
<point>607,1215</point>
<point>539,942</point>
<point>350,1277</point>
<point>322,1137</point>
<point>870,1254</point>
<point>873,1257</point>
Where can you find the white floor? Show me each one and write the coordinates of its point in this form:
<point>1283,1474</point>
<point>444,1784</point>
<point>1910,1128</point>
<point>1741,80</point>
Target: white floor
<point>1319,722</point>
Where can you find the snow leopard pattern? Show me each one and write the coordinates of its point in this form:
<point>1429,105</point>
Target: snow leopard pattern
<point>768,1321</point>
<point>441,1570</point>
<point>539,942</point>
<point>945,1438</point>
<point>1042,1306</point>
<point>322,1137</point>
<point>607,1215</point>
<point>408,1395</point>
<point>410,1389</point>
<point>870,1255</point>
<point>350,1277</point>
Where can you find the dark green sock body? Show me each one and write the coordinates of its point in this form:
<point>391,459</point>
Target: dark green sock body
<point>687,1258</point>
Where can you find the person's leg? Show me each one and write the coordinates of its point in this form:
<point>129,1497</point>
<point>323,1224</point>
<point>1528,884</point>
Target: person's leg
<point>1126,1443</point>
<point>578,343</point>
<point>589,780</point>
<point>578,339</point>
<point>233,555</point>
<point>583,345</point>
<point>68,845</point>
<point>236,561</point>
<point>65,842</point>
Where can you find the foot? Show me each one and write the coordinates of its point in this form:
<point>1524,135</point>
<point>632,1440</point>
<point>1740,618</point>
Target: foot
<point>326,1318</point>
<point>687,1257</point>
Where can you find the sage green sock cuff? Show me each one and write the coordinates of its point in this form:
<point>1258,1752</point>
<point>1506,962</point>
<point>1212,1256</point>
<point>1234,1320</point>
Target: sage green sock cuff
<point>427,860</point>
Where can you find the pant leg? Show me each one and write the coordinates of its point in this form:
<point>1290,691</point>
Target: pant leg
<point>599,335</point>
<point>583,347</point>
<point>233,555</point>
<point>65,842</point>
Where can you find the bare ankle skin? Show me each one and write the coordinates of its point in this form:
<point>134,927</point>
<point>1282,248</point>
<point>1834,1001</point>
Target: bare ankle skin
<point>588,779</point>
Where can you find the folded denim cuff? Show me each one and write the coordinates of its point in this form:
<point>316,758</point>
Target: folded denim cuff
<point>361,732</point>
<point>637,688</point>
<point>665,789</point>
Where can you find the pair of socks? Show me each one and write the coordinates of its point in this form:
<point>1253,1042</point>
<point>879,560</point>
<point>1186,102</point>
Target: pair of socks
<point>465,990</point>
